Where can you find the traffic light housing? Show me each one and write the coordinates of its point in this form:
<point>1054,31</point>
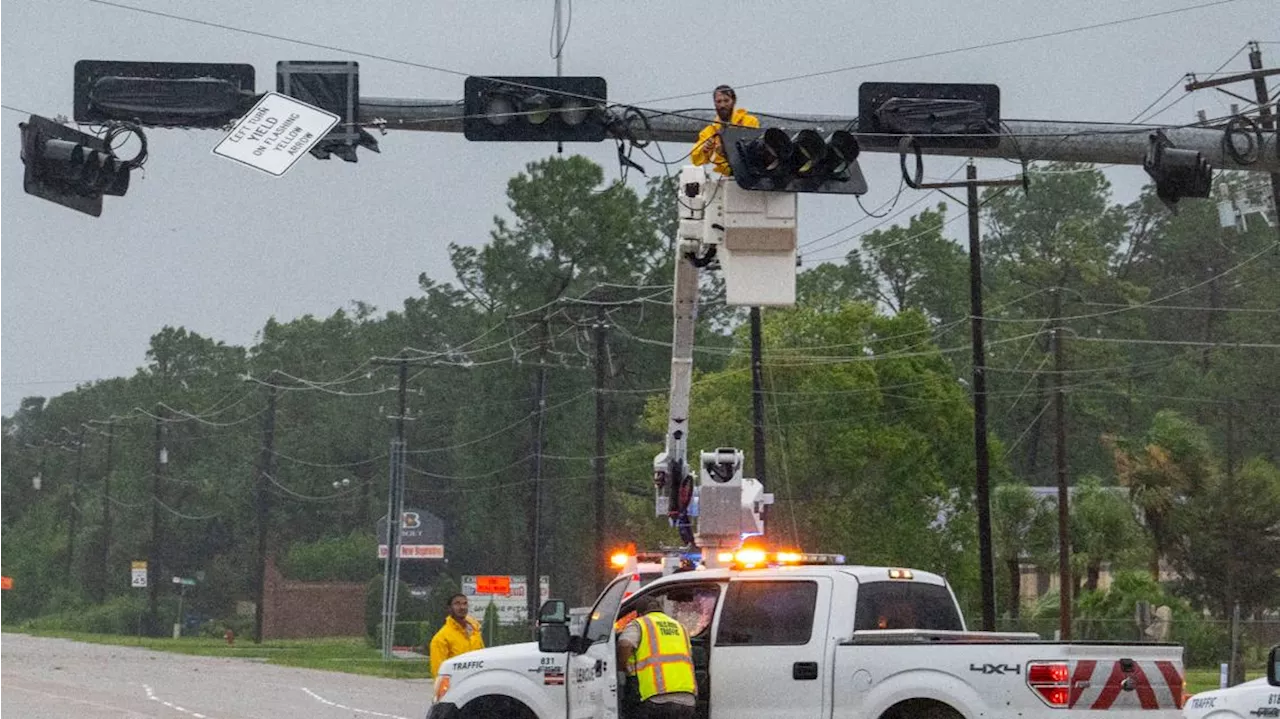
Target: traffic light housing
<point>1177,173</point>
<point>778,160</point>
<point>955,115</point>
<point>69,167</point>
<point>332,86</point>
<point>166,94</point>
<point>534,109</point>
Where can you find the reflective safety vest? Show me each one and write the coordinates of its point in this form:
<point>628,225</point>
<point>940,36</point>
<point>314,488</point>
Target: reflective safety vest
<point>663,661</point>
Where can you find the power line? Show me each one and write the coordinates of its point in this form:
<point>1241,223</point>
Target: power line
<point>953,51</point>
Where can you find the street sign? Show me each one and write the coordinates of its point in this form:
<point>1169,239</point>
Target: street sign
<point>513,608</point>
<point>493,584</point>
<point>138,574</point>
<point>185,581</point>
<point>275,133</point>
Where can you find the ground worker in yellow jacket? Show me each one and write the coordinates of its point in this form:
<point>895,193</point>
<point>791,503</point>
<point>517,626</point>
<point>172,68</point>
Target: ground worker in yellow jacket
<point>459,635</point>
<point>654,648</point>
<point>710,146</point>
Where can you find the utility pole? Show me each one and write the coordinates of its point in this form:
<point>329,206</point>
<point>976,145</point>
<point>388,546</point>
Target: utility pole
<point>601,333</point>
<point>1060,461</point>
<point>757,397</point>
<point>73,509</point>
<point>395,517</point>
<point>1266,120</point>
<point>533,585</point>
<point>981,453</point>
<point>153,552</point>
<point>100,589</point>
<point>261,500</point>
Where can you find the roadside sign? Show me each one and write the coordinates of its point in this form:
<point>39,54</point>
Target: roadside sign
<point>275,133</point>
<point>186,581</point>
<point>493,584</point>
<point>513,606</point>
<point>138,574</point>
<point>6,582</point>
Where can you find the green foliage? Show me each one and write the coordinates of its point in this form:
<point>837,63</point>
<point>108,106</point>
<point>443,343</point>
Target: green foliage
<point>117,616</point>
<point>869,430</point>
<point>353,558</point>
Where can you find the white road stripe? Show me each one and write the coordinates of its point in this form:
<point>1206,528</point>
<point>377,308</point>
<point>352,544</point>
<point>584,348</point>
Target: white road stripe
<point>152,696</point>
<point>322,700</point>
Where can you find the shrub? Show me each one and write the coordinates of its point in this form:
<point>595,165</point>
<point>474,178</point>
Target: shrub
<point>353,558</point>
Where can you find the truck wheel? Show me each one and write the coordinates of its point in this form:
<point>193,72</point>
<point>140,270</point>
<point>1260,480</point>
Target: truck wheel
<point>921,709</point>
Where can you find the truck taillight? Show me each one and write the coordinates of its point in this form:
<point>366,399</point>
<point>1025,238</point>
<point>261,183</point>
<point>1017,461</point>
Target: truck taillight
<point>1051,681</point>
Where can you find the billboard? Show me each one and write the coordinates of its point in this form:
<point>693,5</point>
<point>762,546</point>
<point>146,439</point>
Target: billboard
<point>421,536</point>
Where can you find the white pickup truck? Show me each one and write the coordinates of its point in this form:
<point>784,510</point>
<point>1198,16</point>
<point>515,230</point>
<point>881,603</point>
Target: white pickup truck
<point>1258,698</point>
<point>815,641</point>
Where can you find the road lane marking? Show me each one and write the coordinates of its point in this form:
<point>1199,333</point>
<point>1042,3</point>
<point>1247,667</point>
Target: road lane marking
<point>322,700</point>
<point>152,696</point>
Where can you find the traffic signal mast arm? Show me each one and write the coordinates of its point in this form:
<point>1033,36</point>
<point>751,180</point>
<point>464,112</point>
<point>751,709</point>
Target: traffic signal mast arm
<point>1097,142</point>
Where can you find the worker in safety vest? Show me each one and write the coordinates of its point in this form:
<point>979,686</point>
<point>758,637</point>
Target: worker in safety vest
<point>654,648</point>
<point>459,635</point>
<point>710,146</point>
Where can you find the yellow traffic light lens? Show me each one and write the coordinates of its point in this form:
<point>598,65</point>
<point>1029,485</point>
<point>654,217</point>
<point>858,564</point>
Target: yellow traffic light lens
<point>537,108</point>
<point>809,149</point>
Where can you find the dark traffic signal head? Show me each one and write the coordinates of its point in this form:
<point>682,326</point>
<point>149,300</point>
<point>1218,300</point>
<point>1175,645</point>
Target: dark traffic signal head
<point>534,109</point>
<point>954,115</point>
<point>175,94</point>
<point>1177,173</point>
<point>804,161</point>
<point>332,86</point>
<point>70,167</point>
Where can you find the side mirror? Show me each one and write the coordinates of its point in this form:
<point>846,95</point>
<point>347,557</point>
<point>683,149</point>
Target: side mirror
<point>1273,666</point>
<point>554,611</point>
<point>553,638</point>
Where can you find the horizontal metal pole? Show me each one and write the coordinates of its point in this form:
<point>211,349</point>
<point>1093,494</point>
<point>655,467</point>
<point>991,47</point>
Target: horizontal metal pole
<point>1097,142</point>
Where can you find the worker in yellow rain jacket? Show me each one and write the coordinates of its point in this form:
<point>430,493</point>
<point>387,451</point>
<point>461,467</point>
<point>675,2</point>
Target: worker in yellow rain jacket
<point>654,648</point>
<point>710,146</point>
<point>459,635</point>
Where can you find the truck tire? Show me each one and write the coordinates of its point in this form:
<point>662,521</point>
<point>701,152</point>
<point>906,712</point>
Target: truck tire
<point>495,706</point>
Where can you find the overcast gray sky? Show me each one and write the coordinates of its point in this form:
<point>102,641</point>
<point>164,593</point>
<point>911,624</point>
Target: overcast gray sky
<point>218,248</point>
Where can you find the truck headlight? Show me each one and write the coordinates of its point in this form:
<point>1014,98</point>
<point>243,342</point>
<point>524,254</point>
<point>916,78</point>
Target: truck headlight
<point>441,686</point>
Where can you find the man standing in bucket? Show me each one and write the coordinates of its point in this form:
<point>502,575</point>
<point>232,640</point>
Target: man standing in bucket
<point>710,146</point>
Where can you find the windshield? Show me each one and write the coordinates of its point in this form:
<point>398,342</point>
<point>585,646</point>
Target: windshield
<point>600,623</point>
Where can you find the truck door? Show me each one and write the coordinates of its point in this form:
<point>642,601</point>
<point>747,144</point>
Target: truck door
<point>769,658</point>
<point>591,677</point>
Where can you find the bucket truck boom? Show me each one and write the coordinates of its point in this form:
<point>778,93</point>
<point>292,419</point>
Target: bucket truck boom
<point>750,235</point>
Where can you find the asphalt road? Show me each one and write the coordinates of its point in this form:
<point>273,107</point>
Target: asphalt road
<point>60,679</point>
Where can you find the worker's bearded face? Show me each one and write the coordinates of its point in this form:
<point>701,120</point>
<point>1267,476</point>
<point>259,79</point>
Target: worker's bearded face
<point>724,106</point>
<point>458,608</point>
